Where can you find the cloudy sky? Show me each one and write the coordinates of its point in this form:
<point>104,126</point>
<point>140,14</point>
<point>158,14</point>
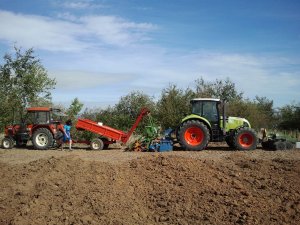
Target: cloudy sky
<point>99,50</point>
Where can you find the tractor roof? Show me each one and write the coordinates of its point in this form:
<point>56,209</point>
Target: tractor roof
<point>43,109</point>
<point>205,99</point>
<point>40,109</point>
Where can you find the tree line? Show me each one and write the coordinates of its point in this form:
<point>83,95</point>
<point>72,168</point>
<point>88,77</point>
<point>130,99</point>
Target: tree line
<point>25,83</point>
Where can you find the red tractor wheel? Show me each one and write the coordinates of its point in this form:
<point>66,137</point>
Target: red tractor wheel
<point>245,139</point>
<point>193,135</point>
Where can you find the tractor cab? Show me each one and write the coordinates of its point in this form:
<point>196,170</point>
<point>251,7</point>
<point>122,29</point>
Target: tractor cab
<point>208,108</point>
<point>211,110</point>
<point>38,115</point>
<point>43,115</point>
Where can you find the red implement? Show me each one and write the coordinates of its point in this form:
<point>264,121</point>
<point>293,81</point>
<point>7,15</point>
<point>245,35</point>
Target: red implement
<point>105,131</point>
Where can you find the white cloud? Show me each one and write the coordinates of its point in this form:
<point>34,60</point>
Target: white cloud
<point>79,5</point>
<point>114,30</point>
<point>76,79</point>
<point>152,69</point>
<point>70,35</point>
<point>40,32</point>
<point>97,56</point>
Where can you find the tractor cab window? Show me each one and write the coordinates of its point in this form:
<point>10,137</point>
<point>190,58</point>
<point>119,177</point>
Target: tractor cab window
<point>206,109</point>
<point>197,108</point>
<point>210,111</point>
<point>38,117</point>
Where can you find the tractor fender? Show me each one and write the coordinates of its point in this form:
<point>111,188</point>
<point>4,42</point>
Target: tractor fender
<point>195,117</point>
<point>34,128</point>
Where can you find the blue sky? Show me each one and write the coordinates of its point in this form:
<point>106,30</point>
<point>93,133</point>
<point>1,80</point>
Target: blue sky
<point>100,50</point>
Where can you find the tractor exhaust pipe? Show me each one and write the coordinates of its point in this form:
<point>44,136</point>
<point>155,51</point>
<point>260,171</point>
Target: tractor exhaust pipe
<point>223,115</point>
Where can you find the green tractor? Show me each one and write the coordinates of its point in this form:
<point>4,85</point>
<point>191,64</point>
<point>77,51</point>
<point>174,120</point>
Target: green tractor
<point>208,123</point>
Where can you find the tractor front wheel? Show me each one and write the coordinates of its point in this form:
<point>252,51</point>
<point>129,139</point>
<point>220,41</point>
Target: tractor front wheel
<point>7,143</point>
<point>42,139</point>
<point>245,139</point>
<point>193,135</point>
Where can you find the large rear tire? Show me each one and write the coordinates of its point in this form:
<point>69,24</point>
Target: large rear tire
<point>193,135</point>
<point>42,139</point>
<point>7,143</point>
<point>245,139</point>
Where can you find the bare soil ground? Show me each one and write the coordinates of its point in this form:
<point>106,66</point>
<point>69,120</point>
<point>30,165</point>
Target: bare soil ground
<point>215,186</point>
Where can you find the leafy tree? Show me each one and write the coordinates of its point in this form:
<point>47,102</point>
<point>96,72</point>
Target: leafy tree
<point>129,107</point>
<point>259,112</point>
<point>289,117</point>
<point>72,113</point>
<point>173,105</point>
<point>74,109</point>
<point>223,89</point>
<point>124,113</point>
<point>23,81</point>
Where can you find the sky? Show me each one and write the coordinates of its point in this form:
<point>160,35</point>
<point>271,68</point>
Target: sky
<point>100,50</point>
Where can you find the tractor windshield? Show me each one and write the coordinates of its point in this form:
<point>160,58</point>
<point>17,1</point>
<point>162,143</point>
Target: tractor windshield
<point>38,117</point>
<point>206,109</point>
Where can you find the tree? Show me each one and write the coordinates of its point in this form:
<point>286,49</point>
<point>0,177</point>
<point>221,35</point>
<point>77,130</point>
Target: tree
<point>289,117</point>
<point>129,107</point>
<point>259,111</point>
<point>23,81</point>
<point>173,105</point>
<point>122,115</point>
<point>223,89</point>
<point>74,109</point>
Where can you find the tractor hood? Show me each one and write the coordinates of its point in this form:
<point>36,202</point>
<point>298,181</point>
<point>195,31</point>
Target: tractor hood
<point>235,122</point>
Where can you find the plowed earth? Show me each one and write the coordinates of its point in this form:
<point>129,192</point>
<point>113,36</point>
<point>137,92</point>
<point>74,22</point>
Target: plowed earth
<point>215,186</point>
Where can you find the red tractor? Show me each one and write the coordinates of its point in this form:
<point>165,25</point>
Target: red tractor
<point>39,126</point>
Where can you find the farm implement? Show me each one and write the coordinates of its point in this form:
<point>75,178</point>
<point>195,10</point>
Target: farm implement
<point>273,141</point>
<point>108,135</point>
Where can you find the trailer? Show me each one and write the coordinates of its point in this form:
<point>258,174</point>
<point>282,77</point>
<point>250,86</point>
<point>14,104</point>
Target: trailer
<point>107,135</point>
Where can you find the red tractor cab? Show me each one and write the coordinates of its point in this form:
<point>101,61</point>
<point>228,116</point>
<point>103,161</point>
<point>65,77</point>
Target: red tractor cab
<point>41,125</point>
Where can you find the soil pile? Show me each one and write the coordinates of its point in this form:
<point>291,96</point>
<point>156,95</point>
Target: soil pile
<point>157,189</point>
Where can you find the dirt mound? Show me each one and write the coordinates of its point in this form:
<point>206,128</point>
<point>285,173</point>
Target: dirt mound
<point>155,189</point>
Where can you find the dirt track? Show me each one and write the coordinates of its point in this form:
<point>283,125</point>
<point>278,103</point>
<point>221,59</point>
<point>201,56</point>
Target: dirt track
<point>215,186</point>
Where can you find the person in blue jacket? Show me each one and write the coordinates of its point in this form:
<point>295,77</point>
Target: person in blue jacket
<point>67,133</point>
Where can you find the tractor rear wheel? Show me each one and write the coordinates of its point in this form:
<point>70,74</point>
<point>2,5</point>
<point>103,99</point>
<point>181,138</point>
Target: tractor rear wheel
<point>97,144</point>
<point>7,143</point>
<point>42,139</point>
<point>193,135</point>
<point>245,139</point>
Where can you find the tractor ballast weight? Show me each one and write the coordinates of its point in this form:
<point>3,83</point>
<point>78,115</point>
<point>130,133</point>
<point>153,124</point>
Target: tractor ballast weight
<point>38,126</point>
<point>208,123</point>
